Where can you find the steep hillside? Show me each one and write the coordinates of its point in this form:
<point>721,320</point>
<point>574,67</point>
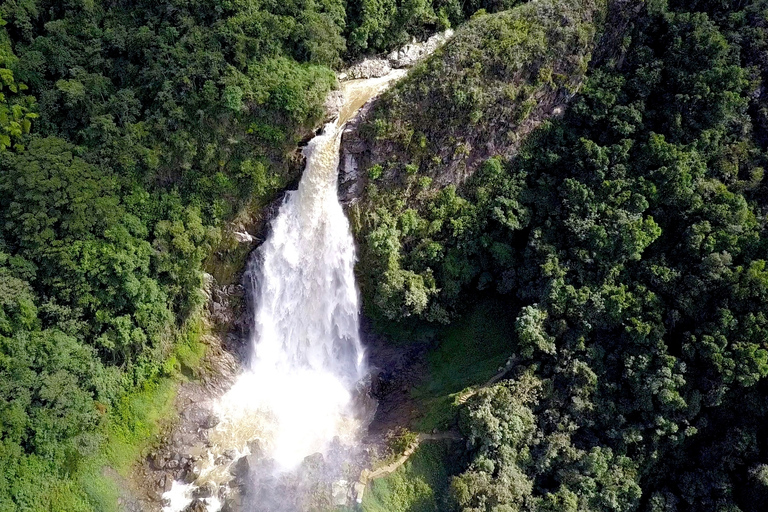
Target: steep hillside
<point>498,79</point>
<point>623,241</point>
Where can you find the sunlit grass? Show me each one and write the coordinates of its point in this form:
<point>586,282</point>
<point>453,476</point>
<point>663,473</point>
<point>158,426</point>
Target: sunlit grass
<point>419,485</point>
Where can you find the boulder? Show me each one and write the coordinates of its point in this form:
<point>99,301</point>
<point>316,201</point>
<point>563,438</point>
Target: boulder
<point>196,506</point>
<point>410,54</point>
<point>333,104</point>
<point>369,68</point>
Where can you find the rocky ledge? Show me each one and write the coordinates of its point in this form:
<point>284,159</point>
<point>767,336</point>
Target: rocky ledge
<point>404,57</point>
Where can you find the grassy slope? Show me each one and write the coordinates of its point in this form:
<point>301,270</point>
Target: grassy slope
<point>420,485</point>
<point>470,352</point>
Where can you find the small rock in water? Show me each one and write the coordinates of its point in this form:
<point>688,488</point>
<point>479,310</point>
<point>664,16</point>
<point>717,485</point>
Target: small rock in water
<point>206,491</point>
<point>314,461</point>
<point>243,237</point>
<point>240,468</point>
<point>196,506</point>
<point>256,449</point>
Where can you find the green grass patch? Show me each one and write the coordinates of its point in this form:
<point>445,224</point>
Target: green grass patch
<point>189,351</point>
<point>419,485</point>
<point>132,428</point>
<point>470,352</point>
<point>136,420</point>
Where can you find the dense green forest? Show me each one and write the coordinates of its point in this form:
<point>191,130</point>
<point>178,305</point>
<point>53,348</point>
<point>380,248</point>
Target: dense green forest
<point>130,131</point>
<point>627,243</point>
<point>623,238</point>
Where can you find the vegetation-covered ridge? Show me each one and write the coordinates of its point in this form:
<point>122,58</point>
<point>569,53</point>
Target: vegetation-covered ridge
<point>479,95</point>
<point>498,78</point>
<point>627,243</point>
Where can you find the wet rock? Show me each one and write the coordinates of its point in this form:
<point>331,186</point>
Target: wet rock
<point>410,54</point>
<point>233,504</point>
<point>256,448</point>
<point>188,475</point>
<point>206,491</point>
<point>172,464</point>
<point>333,104</point>
<point>157,461</point>
<point>196,506</point>
<point>314,461</point>
<point>240,469</point>
<point>382,383</point>
<point>340,492</point>
<point>200,417</point>
<point>167,483</point>
<point>352,145</point>
<point>369,68</point>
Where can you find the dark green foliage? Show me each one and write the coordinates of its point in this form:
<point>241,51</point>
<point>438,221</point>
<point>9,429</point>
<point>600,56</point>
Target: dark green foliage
<point>179,95</point>
<point>16,107</point>
<point>48,416</point>
<point>377,25</point>
<point>458,107</point>
<point>628,241</point>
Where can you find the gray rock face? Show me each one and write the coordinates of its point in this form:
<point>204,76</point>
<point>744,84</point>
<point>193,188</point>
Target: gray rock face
<point>410,54</point>
<point>352,146</point>
<point>350,182</point>
<point>220,303</point>
<point>369,68</point>
<point>333,104</point>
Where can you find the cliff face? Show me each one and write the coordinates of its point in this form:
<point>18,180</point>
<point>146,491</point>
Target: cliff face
<point>500,77</point>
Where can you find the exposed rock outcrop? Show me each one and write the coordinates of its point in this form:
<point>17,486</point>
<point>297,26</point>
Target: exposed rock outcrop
<point>411,54</point>
<point>369,68</point>
<point>497,79</point>
<point>405,57</point>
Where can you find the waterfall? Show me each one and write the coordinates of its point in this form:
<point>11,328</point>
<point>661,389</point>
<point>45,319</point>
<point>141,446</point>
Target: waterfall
<point>295,399</point>
<point>308,357</point>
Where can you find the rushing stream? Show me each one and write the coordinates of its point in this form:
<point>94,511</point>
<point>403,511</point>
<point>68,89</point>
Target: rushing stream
<point>296,398</point>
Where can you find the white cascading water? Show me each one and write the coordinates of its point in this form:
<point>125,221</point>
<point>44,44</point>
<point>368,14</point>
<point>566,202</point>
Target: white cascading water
<point>308,355</point>
<point>296,395</point>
